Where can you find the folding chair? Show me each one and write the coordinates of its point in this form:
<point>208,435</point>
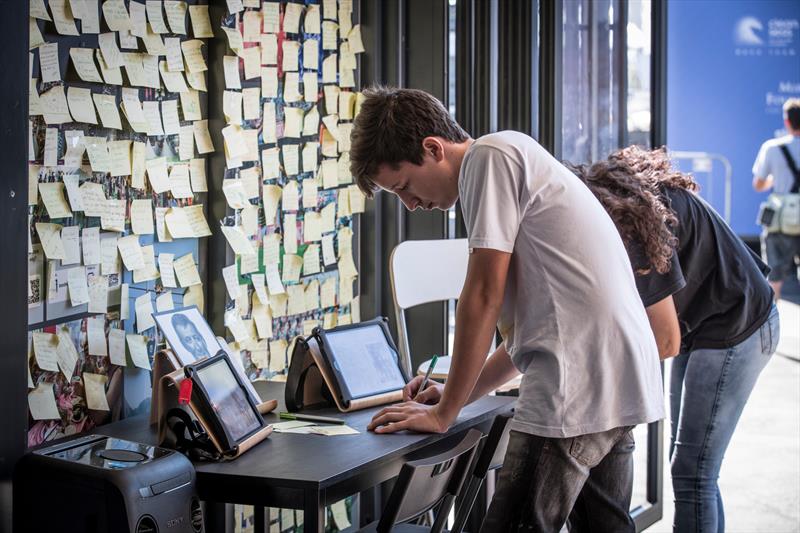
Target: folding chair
<point>423,272</point>
<point>426,484</point>
<point>489,458</point>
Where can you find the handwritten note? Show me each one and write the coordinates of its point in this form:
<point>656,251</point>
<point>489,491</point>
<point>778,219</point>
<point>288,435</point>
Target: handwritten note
<point>131,252</point>
<point>95,388</point>
<point>137,345</point>
<point>186,271</point>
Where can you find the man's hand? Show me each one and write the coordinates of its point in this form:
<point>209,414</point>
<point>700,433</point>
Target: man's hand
<point>431,395</point>
<point>411,416</point>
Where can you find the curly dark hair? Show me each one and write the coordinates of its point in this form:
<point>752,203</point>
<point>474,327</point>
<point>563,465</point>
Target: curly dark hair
<point>630,185</point>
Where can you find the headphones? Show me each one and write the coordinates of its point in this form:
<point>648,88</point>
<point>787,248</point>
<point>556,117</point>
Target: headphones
<point>187,436</point>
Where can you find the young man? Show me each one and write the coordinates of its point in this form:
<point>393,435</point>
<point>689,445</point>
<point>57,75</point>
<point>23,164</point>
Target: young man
<point>773,170</point>
<point>548,267</point>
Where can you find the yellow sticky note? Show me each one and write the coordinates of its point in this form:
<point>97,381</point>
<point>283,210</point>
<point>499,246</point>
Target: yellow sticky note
<point>95,388</point>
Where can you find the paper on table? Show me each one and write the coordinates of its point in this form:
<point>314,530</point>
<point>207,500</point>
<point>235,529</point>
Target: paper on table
<point>42,403</point>
<point>131,252</point>
<point>116,346</point>
<point>137,345</point>
<point>340,517</point>
<point>186,271</point>
<point>96,333</point>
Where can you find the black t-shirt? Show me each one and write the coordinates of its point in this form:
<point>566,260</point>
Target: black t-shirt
<point>717,282</point>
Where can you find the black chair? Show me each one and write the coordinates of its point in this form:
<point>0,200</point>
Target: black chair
<point>426,484</point>
<point>490,458</point>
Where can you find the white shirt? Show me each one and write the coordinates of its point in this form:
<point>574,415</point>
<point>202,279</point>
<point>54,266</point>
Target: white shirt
<point>571,318</point>
<point>770,161</point>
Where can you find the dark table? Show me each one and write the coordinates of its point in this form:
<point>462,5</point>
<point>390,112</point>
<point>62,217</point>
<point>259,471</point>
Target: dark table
<point>308,472</point>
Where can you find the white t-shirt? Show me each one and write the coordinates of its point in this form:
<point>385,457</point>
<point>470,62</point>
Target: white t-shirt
<point>771,162</point>
<point>571,318</point>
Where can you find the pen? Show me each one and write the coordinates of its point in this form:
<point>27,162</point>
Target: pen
<point>311,418</point>
<point>427,376</point>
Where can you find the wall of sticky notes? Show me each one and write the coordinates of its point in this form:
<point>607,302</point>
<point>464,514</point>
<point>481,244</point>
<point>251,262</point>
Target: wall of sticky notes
<point>288,105</point>
<point>117,183</point>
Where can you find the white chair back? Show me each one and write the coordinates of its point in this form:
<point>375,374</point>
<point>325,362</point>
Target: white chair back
<point>423,272</point>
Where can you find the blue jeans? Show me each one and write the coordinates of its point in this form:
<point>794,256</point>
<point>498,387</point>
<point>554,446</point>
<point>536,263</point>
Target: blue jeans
<point>708,391</point>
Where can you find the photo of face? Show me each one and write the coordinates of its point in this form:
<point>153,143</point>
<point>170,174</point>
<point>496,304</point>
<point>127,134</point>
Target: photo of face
<point>188,334</point>
<point>190,337</point>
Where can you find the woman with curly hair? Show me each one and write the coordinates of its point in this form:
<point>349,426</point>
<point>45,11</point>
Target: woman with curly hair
<point>709,304</point>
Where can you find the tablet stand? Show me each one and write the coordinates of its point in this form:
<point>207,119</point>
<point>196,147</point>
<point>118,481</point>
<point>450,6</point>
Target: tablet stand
<point>167,377</point>
<point>310,383</point>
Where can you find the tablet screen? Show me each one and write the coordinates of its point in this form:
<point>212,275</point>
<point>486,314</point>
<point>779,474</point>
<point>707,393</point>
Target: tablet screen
<point>228,399</point>
<point>365,360</point>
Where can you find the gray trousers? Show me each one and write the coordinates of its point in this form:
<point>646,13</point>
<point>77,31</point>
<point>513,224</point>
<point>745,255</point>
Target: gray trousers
<point>584,481</point>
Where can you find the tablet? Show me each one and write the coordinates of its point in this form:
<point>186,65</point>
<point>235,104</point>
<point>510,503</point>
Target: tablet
<point>364,359</point>
<point>224,402</point>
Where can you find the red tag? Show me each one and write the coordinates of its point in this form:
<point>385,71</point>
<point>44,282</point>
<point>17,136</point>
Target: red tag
<point>186,391</point>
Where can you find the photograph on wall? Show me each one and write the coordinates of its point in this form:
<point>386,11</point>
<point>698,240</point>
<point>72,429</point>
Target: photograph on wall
<point>188,334</point>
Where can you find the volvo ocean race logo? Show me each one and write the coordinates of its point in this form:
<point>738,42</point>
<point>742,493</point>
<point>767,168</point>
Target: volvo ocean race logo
<point>748,30</point>
<point>778,37</point>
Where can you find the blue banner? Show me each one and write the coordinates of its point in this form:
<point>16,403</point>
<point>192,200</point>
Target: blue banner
<point>731,66</point>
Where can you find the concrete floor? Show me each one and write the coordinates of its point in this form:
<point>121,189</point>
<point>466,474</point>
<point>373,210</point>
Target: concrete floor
<point>760,478</point>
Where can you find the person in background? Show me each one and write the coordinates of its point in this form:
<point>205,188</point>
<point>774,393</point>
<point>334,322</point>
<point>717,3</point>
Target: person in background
<point>548,267</point>
<point>773,169</point>
<point>707,299</point>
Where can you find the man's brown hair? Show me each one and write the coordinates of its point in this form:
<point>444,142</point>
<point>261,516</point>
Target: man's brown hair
<point>390,127</point>
<point>791,111</point>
